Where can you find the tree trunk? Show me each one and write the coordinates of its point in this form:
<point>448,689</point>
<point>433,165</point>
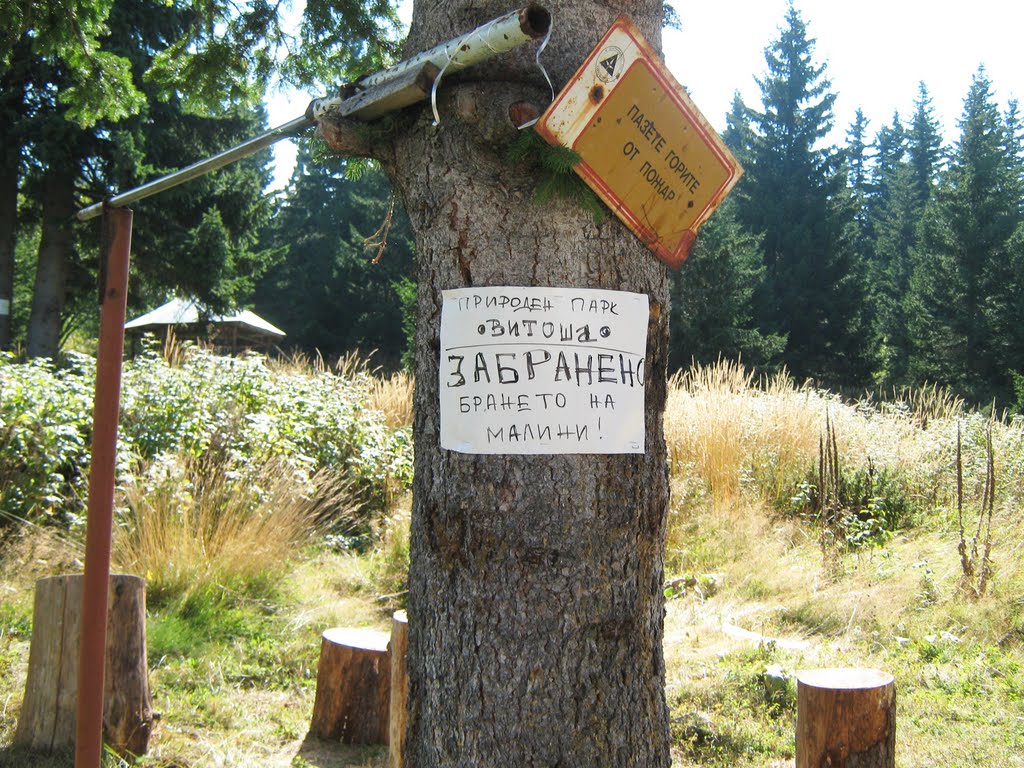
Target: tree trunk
<point>353,682</point>
<point>846,718</point>
<point>56,242</point>
<point>12,108</point>
<point>8,238</point>
<point>535,603</point>
<point>48,714</point>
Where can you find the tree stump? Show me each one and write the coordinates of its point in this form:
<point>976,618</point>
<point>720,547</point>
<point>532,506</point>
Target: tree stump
<point>49,710</point>
<point>353,684</point>
<point>399,689</point>
<point>846,718</point>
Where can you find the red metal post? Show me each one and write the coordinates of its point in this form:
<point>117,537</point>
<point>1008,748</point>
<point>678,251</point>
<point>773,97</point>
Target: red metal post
<point>117,224</point>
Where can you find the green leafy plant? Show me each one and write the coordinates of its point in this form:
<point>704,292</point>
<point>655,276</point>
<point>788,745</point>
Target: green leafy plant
<point>240,413</point>
<point>855,507</point>
<point>555,166</point>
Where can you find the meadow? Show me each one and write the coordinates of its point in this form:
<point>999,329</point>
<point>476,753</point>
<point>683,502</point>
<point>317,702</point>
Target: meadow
<point>265,501</point>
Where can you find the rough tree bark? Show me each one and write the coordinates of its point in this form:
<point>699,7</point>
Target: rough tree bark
<point>535,604</point>
<point>9,160</point>
<point>56,242</point>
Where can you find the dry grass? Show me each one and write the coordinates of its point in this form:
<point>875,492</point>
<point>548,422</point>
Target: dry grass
<point>745,439</point>
<point>393,397</point>
<point>193,523</point>
<point>730,430</point>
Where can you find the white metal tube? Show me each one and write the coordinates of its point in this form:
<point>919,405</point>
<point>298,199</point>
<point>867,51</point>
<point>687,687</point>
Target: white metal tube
<point>486,41</point>
<point>198,169</point>
<point>496,36</point>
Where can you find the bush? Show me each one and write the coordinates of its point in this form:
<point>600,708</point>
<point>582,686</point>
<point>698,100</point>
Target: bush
<point>240,413</point>
<point>45,427</point>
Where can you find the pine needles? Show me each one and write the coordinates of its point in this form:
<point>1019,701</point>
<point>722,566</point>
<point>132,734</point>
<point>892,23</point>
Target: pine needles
<point>555,166</point>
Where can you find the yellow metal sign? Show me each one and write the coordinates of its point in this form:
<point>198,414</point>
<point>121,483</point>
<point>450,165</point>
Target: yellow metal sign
<point>645,147</point>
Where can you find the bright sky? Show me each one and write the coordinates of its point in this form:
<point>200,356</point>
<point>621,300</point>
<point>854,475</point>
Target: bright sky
<point>876,53</point>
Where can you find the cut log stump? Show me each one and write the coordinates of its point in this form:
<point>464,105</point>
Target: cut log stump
<point>846,718</point>
<point>49,710</point>
<point>399,646</point>
<point>353,684</point>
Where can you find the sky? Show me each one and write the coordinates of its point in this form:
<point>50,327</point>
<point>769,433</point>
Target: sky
<point>876,52</point>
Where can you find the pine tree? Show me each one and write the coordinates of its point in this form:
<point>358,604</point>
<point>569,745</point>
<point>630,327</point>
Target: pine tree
<point>964,302</point>
<point>795,198</point>
<point>347,300</point>
<point>891,221</point>
<point>197,241</point>
<point>857,163</point>
<point>738,135</point>
<point>924,148</point>
<point>890,147</point>
<point>110,88</point>
<point>712,298</point>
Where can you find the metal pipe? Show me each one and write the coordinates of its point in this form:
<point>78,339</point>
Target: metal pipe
<point>497,36</point>
<point>99,524</point>
<point>486,41</point>
<point>195,170</point>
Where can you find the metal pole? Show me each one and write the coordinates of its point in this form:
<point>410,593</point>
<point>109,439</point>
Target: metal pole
<point>196,170</point>
<point>486,41</point>
<point>92,652</point>
<point>499,35</point>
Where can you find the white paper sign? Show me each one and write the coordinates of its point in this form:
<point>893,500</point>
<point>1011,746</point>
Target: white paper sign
<point>543,370</point>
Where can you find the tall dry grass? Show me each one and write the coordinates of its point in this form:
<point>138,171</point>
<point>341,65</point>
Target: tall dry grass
<point>741,435</point>
<point>190,524</point>
<point>732,430</point>
<point>743,449</point>
<point>392,396</point>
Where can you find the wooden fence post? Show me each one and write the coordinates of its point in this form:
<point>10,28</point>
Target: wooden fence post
<point>845,718</point>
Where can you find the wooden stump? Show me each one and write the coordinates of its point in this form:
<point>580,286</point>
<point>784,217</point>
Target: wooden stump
<point>49,710</point>
<point>353,684</point>
<point>399,689</point>
<point>846,718</point>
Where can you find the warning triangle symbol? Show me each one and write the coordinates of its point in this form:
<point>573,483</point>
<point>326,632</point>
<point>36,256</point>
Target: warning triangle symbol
<point>609,64</point>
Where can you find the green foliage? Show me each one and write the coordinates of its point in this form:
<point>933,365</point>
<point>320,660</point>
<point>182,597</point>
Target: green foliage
<point>99,83</point>
<point>963,298</point>
<point>1018,391</point>
<point>327,292</point>
<point>712,299</point>
<point>813,292</point>
<point>15,621</point>
<point>45,423</point>
<point>236,409</point>
<point>406,290</point>
<point>554,166</point>
<point>858,507</point>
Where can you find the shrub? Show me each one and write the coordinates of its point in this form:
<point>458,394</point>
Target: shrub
<point>240,413</point>
<point>45,425</point>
